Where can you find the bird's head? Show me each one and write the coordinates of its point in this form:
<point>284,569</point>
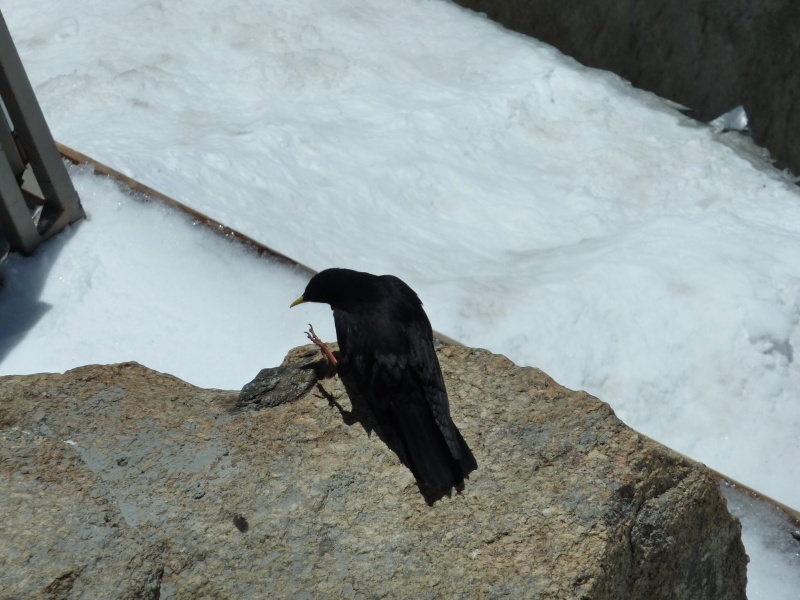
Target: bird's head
<point>337,287</point>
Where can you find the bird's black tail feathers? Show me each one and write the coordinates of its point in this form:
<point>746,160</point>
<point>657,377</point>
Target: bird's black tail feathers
<point>425,451</point>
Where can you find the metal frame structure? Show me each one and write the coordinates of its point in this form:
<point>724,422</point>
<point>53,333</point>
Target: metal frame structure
<point>37,198</point>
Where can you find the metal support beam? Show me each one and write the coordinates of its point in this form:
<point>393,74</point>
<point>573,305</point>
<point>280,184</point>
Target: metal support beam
<point>26,139</point>
<point>9,145</point>
<point>18,227</point>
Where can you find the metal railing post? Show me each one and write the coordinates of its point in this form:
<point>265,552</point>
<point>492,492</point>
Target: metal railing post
<point>26,143</point>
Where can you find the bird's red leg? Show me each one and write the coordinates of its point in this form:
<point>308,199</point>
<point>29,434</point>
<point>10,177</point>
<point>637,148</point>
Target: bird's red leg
<point>325,350</point>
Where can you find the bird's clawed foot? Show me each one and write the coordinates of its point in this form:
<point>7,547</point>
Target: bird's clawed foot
<point>311,334</point>
<point>325,350</point>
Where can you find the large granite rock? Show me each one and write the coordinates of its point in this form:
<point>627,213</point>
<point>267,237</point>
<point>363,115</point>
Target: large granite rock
<point>120,482</point>
<point>708,55</point>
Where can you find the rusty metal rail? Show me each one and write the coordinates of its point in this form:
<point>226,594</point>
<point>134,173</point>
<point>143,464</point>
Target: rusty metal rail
<point>229,233</point>
<point>78,158</point>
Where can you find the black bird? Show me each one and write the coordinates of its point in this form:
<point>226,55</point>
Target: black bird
<point>386,347</point>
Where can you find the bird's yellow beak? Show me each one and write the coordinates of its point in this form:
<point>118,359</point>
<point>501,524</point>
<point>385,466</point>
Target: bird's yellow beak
<point>300,300</point>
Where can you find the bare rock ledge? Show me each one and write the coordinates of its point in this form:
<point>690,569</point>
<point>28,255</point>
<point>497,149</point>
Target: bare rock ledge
<point>121,482</point>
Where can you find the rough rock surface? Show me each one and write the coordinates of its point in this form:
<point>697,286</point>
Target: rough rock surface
<point>120,482</point>
<point>772,84</point>
<point>708,55</point>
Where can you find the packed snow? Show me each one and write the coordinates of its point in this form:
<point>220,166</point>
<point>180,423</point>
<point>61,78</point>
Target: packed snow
<point>543,210</point>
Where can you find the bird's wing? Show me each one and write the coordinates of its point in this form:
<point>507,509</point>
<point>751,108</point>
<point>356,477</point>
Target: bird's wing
<point>392,355</point>
<point>424,368</point>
